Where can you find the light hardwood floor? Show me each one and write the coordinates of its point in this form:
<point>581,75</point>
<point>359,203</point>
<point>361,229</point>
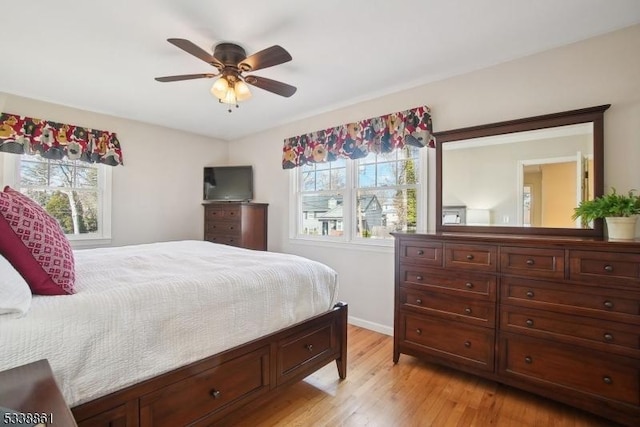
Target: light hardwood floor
<point>412,393</point>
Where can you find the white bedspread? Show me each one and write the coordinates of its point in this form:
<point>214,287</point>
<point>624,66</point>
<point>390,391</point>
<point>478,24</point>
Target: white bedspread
<point>147,309</point>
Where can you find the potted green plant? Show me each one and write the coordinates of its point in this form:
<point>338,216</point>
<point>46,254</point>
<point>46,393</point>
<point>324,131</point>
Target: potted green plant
<point>619,211</point>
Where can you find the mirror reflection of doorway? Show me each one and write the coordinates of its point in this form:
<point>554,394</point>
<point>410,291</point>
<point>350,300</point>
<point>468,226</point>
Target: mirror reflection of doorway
<point>545,186</point>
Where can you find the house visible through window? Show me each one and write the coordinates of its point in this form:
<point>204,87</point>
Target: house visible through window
<point>76,193</point>
<point>360,199</point>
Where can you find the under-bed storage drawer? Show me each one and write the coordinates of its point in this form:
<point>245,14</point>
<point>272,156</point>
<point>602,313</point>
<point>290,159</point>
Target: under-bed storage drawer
<point>297,351</point>
<point>207,392</point>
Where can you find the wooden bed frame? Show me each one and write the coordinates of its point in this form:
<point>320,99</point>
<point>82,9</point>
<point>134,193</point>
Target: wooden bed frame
<point>221,388</point>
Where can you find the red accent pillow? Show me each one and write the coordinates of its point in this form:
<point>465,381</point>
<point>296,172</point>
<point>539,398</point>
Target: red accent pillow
<point>33,242</point>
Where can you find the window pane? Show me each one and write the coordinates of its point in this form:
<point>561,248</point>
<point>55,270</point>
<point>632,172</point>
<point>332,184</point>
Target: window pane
<point>408,173</point>
<point>86,177</point>
<point>34,173</point>
<point>60,175</point>
<point>380,212</point>
<point>77,212</point>
<point>322,215</point>
<point>386,174</point>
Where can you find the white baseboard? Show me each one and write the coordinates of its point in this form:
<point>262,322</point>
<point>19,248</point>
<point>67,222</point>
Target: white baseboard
<point>377,327</point>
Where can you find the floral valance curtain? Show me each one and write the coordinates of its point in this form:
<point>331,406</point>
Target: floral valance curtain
<point>26,135</point>
<point>356,140</point>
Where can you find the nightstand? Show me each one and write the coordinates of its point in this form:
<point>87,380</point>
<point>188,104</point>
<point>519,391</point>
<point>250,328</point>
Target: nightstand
<point>31,389</point>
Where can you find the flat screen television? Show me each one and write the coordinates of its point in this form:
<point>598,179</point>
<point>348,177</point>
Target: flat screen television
<point>228,183</point>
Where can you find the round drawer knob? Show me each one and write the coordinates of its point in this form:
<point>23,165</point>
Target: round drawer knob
<point>467,344</point>
<point>467,310</point>
<point>530,294</point>
<point>215,394</point>
<point>528,359</point>
<point>469,257</point>
<point>419,331</point>
<point>418,277</point>
<point>530,261</point>
<point>608,304</point>
<point>420,252</point>
<point>309,347</point>
<point>529,322</point>
<point>608,268</point>
<point>469,285</point>
<point>608,337</point>
<point>607,379</point>
<point>418,301</point>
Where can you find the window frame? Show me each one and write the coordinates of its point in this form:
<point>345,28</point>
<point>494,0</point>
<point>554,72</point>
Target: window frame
<point>11,176</point>
<point>350,236</point>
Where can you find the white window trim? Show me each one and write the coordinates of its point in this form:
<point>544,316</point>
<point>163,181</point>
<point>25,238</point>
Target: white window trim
<point>11,177</point>
<point>350,238</point>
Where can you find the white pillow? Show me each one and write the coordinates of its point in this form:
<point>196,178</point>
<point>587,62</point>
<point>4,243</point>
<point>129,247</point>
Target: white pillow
<point>15,294</point>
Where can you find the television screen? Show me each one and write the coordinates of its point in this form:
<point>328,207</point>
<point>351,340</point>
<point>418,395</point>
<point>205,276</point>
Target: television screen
<point>228,183</point>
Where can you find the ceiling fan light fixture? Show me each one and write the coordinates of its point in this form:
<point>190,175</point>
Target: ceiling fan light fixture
<point>220,88</point>
<point>242,91</point>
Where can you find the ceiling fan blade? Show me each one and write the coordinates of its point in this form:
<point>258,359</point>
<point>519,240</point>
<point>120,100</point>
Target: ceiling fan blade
<point>268,57</point>
<point>185,77</point>
<point>274,86</point>
<point>196,51</point>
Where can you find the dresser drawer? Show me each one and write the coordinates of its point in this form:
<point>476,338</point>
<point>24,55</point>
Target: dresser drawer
<point>602,303</point>
<point>473,285</point>
<point>545,362</point>
<point>605,267</point>
<point>226,240</point>
<point>227,213</point>
<point>602,335</point>
<point>223,228</point>
<point>207,392</point>
<point>532,262</point>
<point>481,313</point>
<point>295,352</point>
<point>461,344</point>
<point>471,257</point>
<point>421,253</point>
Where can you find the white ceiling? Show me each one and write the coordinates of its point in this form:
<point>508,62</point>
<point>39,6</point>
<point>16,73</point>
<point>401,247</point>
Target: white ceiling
<point>103,56</point>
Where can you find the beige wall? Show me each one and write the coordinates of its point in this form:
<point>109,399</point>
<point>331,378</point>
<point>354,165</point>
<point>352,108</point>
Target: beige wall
<point>602,70</point>
<point>157,194</point>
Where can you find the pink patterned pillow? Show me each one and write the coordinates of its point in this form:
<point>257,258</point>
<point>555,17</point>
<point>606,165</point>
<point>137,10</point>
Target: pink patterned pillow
<point>35,245</point>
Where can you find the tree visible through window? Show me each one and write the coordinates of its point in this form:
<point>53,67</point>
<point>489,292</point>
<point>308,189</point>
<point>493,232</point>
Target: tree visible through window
<point>67,189</point>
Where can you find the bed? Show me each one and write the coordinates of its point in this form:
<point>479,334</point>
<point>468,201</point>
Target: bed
<point>180,333</point>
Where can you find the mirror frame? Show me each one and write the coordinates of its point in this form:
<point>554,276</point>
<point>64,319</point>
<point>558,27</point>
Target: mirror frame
<point>593,115</point>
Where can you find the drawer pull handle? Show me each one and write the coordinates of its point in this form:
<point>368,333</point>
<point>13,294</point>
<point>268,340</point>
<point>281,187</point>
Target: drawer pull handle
<point>608,304</point>
<point>607,379</point>
<point>309,347</point>
<point>418,277</point>
<point>530,261</point>
<point>529,322</point>
<point>528,359</point>
<point>608,268</point>
<point>215,394</point>
<point>419,331</point>
<point>467,310</point>
<point>470,257</point>
<point>418,301</point>
<point>530,294</point>
<point>469,285</point>
<point>420,252</point>
<point>467,344</point>
<point>608,337</point>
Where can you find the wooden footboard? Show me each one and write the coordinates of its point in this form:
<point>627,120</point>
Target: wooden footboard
<point>222,387</point>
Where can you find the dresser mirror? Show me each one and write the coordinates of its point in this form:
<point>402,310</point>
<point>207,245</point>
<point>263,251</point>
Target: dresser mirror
<point>521,176</point>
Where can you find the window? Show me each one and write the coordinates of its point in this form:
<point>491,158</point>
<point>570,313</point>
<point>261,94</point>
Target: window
<point>77,194</point>
<point>359,200</point>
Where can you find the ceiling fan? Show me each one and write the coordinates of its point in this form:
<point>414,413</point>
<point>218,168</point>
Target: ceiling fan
<point>232,61</point>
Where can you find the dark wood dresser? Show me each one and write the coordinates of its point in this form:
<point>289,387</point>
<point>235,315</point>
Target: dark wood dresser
<point>236,224</point>
<point>557,316</point>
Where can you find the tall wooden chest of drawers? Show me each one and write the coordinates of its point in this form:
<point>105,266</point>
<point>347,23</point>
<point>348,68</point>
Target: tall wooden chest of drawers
<point>236,224</point>
<point>557,316</point>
